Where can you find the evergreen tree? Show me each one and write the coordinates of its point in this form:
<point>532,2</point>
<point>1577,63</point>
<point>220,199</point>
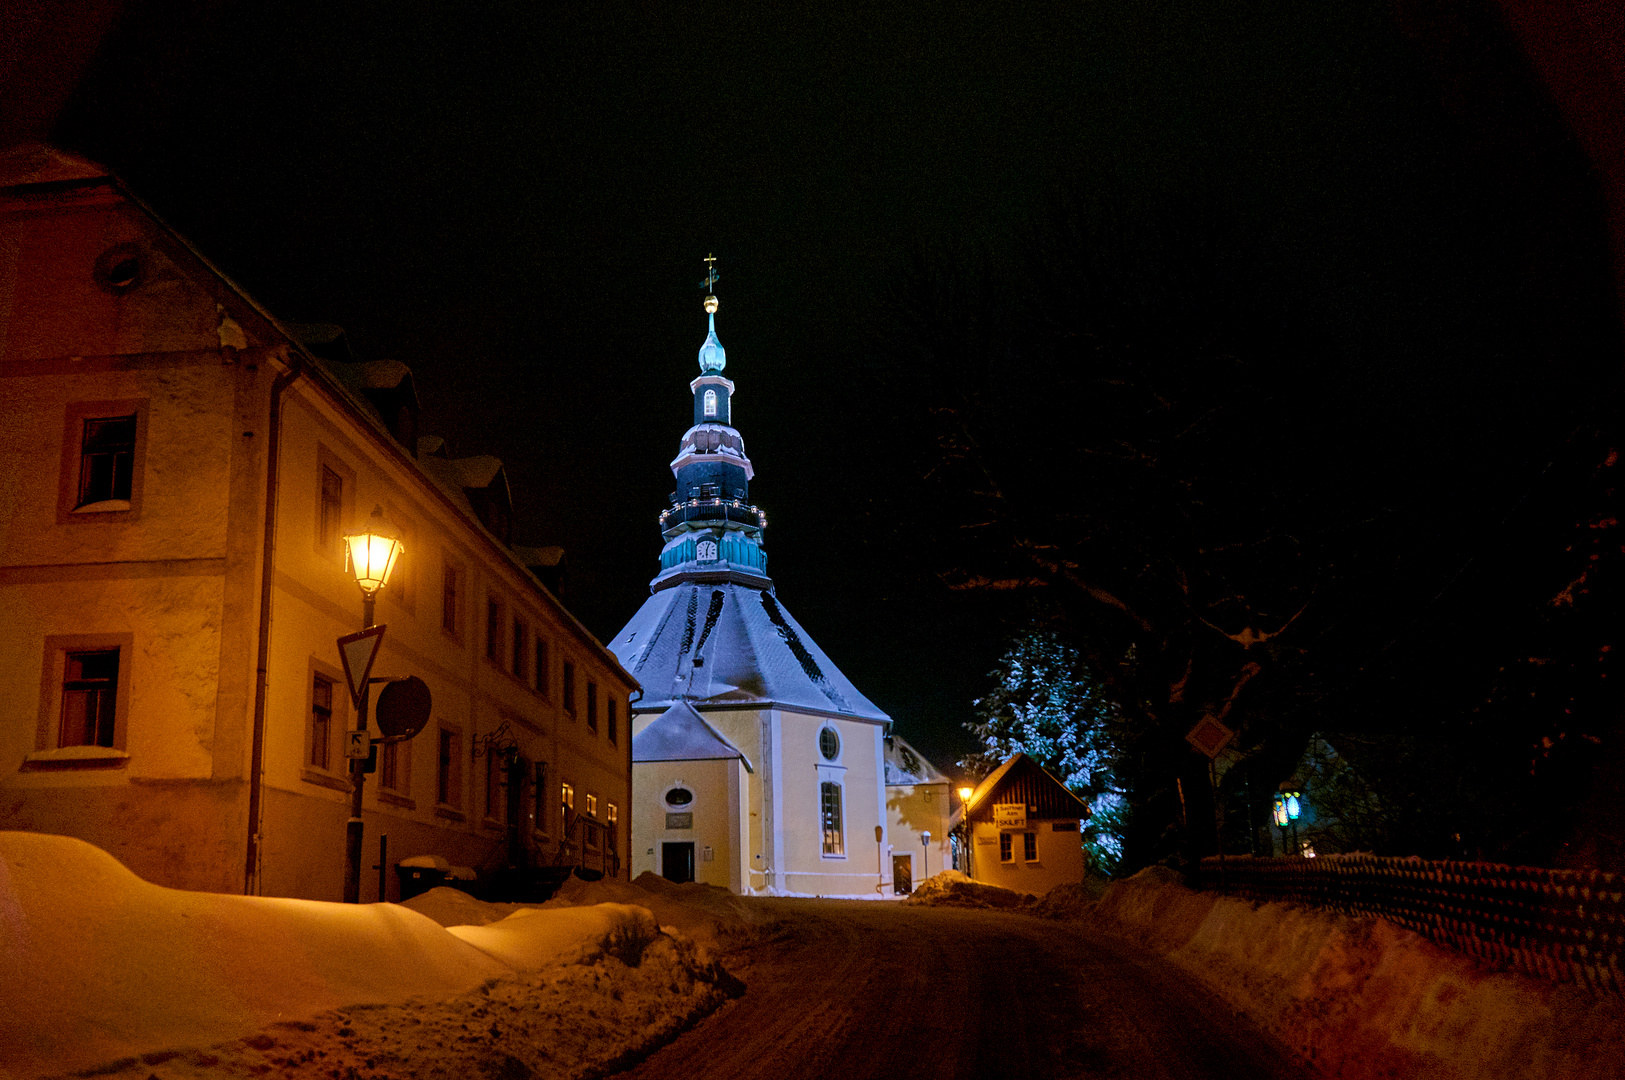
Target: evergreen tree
<point>1045,705</point>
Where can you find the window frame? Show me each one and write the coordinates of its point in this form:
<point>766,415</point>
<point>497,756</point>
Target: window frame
<point>1007,847</point>
<point>336,774</point>
<point>592,706</point>
<point>1029,846</point>
<point>453,574</point>
<point>448,771</point>
<point>396,755</point>
<point>52,682</point>
<point>519,649</point>
<point>708,402</point>
<point>541,675</point>
<point>332,551</point>
<point>496,615</point>
<point>68,510</point>
<point>568,683</point>
<point>832,840</point>
<point>612,720</point>
<point>402,588</point>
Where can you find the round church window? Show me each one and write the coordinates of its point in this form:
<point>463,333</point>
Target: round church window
<point>679,796</point>
<point>829,744</point>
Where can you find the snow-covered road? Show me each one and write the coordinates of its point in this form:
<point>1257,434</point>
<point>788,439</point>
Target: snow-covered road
<point>852,990</point>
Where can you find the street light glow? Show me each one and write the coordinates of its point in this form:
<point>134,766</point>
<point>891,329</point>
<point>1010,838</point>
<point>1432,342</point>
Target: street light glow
<point>373,552</point>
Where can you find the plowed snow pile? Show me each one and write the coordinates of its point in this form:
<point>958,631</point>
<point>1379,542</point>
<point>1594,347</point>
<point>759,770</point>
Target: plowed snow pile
<point>105,971</point>
<point>951,888</point>
<point>1363,998</point>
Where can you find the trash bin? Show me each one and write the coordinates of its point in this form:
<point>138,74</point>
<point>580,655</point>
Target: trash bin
<point>416,880</point>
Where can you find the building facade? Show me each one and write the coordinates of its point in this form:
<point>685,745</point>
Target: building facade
<point>180,469</point>
<point>727,673</point>
<point>1025,829</point>
<point>918,813</point>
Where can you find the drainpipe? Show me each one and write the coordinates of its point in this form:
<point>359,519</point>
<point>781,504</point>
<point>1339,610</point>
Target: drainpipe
<point>267,561</point>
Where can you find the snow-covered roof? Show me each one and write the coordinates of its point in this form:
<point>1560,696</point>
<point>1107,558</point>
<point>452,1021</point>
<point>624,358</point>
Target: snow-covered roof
<point>906,765</point>
<point>682,734</point>
<point>723,644</point>
<point>1022,779</point>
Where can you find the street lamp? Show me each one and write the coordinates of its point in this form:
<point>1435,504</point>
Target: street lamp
<point>925,854</point>
<point>371,556</point>
<point>1288,807</point>
<point>964,823</point>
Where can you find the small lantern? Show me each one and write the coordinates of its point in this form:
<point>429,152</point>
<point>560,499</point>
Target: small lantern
<point>965,794</point>
<point>1293,807</point>
<point>371,554</point>
<point>1280,811</point>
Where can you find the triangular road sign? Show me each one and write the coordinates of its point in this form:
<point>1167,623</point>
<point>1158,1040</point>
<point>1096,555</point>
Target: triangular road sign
<point>358,651</point>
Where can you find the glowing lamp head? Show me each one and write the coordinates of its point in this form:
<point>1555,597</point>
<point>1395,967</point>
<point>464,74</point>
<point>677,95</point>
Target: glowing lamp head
<point>1280,810</point>
<point>965,794</point>
<point>1293,807</point>
<point>372,553</point>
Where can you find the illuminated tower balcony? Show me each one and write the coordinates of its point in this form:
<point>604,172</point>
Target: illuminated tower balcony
<point>711,511</point>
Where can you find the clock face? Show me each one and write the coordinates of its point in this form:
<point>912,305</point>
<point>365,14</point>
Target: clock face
<point>706,551</point>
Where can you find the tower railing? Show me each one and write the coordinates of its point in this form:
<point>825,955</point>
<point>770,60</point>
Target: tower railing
<point>713,509</point>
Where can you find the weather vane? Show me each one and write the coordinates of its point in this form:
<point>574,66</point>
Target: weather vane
<point>710,282</point>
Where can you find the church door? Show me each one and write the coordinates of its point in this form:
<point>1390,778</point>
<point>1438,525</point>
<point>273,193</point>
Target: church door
<point>902,874</point>
<point>677,861</point>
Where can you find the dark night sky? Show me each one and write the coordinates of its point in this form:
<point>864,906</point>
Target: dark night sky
<point>514,199</point>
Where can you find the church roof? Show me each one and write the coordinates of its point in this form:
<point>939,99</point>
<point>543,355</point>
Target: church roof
<point>724,644</point>
<point>681,734</point>
<point>906,765</point>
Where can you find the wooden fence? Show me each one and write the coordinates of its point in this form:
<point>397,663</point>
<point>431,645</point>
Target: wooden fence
<point>1564,925</point>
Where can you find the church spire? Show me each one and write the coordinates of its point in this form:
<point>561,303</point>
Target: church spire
<point>711,531</point>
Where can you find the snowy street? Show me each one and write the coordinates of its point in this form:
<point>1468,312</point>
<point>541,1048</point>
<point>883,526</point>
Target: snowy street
<point>855,989</point>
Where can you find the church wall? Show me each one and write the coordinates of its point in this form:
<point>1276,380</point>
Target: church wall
<point>857,769</point>
<point>911,811</point>
<point>750,730</point>
<point>715,817</point>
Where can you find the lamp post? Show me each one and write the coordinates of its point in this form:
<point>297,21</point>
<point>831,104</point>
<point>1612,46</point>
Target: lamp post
<point>1288,807</point>
<point>370,555</point>
<point>964,825</point>
<point>925,854</point>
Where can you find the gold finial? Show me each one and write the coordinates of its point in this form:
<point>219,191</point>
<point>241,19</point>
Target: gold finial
<point>710,284</point>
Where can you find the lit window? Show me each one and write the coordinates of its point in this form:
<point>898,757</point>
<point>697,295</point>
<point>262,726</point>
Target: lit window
<point>612,831</point>
<point>321,721</point>
<point>1029,846</point>
<point>592,806</point>
<point>830,801</point>
<point>106,460</point>
<point>567,796</point>
<point>710,403</point>
<point>89,698</point>
<point>1006,848</point>
<point>611,814</point>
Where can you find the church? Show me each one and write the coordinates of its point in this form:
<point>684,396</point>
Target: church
<point>757,765</point>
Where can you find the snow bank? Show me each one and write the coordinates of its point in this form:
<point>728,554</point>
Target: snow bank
<point>102,967</point>
<point>1363,998</point>
<point>951,888</point>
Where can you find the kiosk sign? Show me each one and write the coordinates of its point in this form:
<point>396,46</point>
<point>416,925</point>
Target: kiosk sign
<point>1010,815</point>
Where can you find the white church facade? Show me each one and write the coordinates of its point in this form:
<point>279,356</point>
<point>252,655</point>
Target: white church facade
<point>757,765</point>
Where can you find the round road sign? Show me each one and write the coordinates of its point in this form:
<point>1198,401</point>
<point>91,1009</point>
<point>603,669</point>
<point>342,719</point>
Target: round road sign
<point>403,708</point>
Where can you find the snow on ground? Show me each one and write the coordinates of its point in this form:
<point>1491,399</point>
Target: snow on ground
<point>110,973</point>
<point>951,888</point>
<point>1360,997</point>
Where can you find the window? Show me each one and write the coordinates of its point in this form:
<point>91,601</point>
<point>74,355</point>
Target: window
<point>592,706</point>
<point>395,767</point>
<point>710,403</point>
<point>679,796</point>
<point>829,744</point>
<point>592,806</point>
<point>106,460</point>
<point>449,777</point>
<point>519,649</point>
<point>89,698</point>
<point>612,815</point>
<point>1006,854</point>
<point>569,688</point>
<point>541,665</point>
<point>1029,846</point>
<point>830,801</point>
<point>567,796</point>
<point>330,523</point>
<point>448,599</point>
<point>493,631</point>
<point>321,722</point>
<point>611,719</point>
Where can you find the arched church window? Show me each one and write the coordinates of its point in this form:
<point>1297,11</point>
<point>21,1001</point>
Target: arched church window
<point>829,744</point>
<point>710,403</point>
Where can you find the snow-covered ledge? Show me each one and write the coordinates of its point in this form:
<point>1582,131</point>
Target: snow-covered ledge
<point>106,506</point>
<point>74,755</point>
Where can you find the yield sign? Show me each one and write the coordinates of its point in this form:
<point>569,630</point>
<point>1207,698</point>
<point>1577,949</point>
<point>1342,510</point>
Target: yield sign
<point>358,651</point>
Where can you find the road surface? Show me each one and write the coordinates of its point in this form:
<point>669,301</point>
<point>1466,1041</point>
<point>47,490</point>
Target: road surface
<point>847,990</point>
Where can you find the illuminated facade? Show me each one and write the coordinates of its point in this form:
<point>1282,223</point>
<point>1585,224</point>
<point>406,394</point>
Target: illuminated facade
<point>757,765</point>
<point>179,469</point>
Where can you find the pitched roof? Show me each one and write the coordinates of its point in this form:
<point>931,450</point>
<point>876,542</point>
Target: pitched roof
<point>906,765</point>
<point>681,734</point>
<point>1021,779</point>
<point>725,644</point>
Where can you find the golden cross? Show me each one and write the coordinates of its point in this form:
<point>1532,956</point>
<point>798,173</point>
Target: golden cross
<point>711,274</point>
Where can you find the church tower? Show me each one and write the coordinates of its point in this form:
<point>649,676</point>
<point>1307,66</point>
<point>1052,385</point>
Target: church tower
<point>756,764</point>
